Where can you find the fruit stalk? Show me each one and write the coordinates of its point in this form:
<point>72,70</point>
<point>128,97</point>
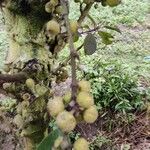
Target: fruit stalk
<point>73,53</point>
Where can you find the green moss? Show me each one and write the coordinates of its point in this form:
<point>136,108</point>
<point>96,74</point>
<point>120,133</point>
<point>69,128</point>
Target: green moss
<point>28,32</point>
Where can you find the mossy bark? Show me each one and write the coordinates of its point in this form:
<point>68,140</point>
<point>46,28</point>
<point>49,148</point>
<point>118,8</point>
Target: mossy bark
<point>29,44</point>
<point>26,31</point>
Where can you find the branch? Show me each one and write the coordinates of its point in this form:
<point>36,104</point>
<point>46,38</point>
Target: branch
<point>85,12</point>
<point>18,77</point>
<point>73,53</point>
<point>91,30</point>
<point>30,67</point>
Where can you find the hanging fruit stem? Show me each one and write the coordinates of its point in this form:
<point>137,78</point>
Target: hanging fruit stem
<point>73,52</point>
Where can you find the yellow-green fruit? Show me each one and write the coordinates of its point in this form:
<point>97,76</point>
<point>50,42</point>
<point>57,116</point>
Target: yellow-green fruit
<point>90,115</point>
<point>59,10</point>
<point>30,83</point>
<point>58,141</point>
<point>66,121</point>
<point>26,96</point>
<point>40,89</point>
<point>87,1</point>
<point>81,144</point>
<point>113,3</point>
<point>85,99</point>
<point>53,27</point>
<point>18,121</point>
<point>73,26</point>
<point>84,86</point>
<point>7,86</point>
<point>48,7</point>
<point>6,68</point>
<point>54,2</point>
<point>67,97</point>
<point>25,104</point>
<point>55,106</point>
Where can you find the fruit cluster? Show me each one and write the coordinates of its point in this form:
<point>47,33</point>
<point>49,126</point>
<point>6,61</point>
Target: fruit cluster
<point>81,109</point>
<point>62,143</point>
<point>53,26</point>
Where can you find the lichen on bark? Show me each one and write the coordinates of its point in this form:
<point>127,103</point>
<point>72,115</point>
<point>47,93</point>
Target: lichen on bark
<point>32,48</point>
<point>26,32</point>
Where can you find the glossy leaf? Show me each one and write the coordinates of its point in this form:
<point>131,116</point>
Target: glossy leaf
<point>106,37</point>
<point>48,142</point>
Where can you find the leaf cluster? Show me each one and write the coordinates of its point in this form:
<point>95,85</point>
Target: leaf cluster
<point>113,88</point>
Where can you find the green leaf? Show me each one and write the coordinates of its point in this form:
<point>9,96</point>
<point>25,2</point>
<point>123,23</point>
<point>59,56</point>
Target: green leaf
<point>48,142</point>
<point>113,28</point>
<point>86,26</point>
<point>92,19</point>
<point>30,130</point>
<point>75,37</point>
<point>90,44</point>
<point>106,37</point>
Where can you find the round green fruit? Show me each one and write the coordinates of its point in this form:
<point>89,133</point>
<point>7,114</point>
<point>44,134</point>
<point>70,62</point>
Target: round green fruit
<point>48,7</point>
<point>55,106</point>
<point>6,68</point>
<point>59,9</point>
<point>91,114</point>
<point>81,144</point>
<point>54,2</point>
<point>85,99</point>
<point>26,96</point>
<point>53,27</point>
<point>113,3</point>
<point>58,141</point>
<point>84,86</point>
<point>66,121</point>
<point>73,26</point>
<point>67,97</point>
<point>30,83</point>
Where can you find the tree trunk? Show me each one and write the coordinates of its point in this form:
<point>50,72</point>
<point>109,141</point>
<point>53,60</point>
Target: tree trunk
<point>31,48</point>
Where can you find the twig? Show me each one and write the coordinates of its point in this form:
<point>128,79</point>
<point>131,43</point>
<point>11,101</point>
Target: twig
<point>18,77</point>
<point>30,67</point>
<point>91,30</point>
<point>66,61</point>
<point>85,12</point>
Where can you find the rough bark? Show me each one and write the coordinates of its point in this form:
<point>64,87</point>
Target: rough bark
<point>32,50</point>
